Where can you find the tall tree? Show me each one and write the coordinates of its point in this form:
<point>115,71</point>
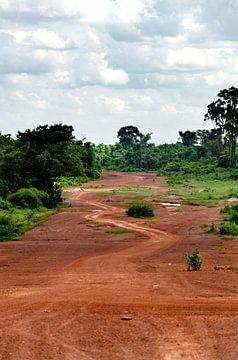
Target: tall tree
<point>129,135</point>
<point>224,113</point>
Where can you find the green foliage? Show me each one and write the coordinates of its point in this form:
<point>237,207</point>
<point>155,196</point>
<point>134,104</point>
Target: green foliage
<point>194,260</point>
<point>8,230</point>
<point>140,211</point>
<point>230,214</point>
<point>230,228</point>
<point>15,222</point>
<point>189,138</point>
<point>31,198</point>
<point>202,191</point>
<point>118,231</point>
<point>224,113</point>
<point>5,205</point>
<point>65,181</point>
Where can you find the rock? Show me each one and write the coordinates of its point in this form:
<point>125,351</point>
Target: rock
<point>233,199</point>
<point>127,318</point>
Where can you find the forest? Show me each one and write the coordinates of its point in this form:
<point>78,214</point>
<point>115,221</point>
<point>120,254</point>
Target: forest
<point>33,167</point>
<point>197,152</point>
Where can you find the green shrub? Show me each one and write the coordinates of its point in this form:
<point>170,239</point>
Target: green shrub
<point>5,205</point>
<point>140,211</point>
<point>8,230</point>
<point>65,181</point>
<point>194,261</point>
<point>229,229</point>
<point>31,198</point>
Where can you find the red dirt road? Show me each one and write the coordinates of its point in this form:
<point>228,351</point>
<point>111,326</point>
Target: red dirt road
<point>66,286</point>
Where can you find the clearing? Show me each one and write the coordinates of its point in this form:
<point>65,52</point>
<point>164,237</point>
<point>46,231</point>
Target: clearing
<point>92,283</point>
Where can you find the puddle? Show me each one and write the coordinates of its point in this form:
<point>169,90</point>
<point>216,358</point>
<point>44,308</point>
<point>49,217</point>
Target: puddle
<point>171,204</point>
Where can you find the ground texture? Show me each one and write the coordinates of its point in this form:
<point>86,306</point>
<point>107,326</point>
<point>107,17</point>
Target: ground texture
<point>74,288</point>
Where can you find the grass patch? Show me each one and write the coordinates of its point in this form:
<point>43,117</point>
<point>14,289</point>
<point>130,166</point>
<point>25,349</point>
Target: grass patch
<point>117,231</point>
<point>16,222</point>
<point>197,191</point>
<point>133,192</point>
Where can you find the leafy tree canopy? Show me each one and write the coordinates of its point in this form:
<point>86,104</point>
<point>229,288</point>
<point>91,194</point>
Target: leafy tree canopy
<point>224,113</point>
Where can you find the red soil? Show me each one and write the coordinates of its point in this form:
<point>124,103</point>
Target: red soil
<point>66,286</point>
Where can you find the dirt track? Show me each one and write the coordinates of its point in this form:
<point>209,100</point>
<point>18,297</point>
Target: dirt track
<point>66,286</point>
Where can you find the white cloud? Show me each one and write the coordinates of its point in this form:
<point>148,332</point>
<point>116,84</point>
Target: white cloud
<point>152,63</point>
<point>113,76</point>
<point>114,105</point>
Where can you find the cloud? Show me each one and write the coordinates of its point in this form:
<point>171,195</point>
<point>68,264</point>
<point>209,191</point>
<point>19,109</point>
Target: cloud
<point>153,63</point>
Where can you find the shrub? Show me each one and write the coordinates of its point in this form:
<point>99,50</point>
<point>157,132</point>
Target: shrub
<point>229,229</point>
<point>140,211</point>
<point>5,205</point>
<point>8,229</point>
<point>31,198</point>
<point>194,261</point>
<point>65,181</point>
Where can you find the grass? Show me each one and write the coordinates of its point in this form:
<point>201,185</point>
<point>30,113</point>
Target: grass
<point>117,231</point>
<point>206,192</point>
<point>16,222</point>
<point>133,192</point>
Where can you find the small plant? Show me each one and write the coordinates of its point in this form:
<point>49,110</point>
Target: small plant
<point>140,211</point>
<point>118,231</point>
<point>194,261</point>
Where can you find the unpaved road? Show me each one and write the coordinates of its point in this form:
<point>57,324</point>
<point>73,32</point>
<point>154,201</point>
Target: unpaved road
<point>66,286</point>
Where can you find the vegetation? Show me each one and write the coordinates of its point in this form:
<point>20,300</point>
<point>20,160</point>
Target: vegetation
<point>31,198</point>
<point>200,190</point>
<point>194,260</point>
<point>140,211</point>
<point>224,112</point>
<point>17,221</point>
<point>118,231</point>
<point>230,214</point>
<point>33,167</point>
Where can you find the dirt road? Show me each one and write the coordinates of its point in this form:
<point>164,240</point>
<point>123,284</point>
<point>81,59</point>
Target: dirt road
<point>75,289</point>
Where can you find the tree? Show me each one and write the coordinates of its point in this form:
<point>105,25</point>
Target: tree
<point>189,138</point>
<point>211,140</point>
<point>224,113</point>
<point>129,135</point>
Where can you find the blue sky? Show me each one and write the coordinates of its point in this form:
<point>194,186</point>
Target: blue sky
<point>100,65</point>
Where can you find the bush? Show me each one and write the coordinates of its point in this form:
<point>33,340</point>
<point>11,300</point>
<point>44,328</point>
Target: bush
<point>194,261</point>
<point>229,229</point>
<point>5,205</point>
<point>140,211</point>
<point>65,181</point>
<point>8,229</point>
<point>31,198</point>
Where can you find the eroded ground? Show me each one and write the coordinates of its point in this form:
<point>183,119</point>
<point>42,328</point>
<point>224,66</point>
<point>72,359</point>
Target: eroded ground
<point>66,286</point>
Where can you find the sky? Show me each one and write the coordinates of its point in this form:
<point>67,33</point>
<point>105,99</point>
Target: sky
<point>102,64</point>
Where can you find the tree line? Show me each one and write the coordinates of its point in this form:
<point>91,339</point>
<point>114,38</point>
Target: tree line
<point>195,151</point>
<point>38,157</point>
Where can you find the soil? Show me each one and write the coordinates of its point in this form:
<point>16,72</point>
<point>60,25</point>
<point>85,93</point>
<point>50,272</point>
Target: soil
<point>74,289</point>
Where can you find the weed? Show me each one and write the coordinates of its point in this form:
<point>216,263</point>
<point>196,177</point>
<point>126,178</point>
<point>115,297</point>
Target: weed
<point>194,261</point>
